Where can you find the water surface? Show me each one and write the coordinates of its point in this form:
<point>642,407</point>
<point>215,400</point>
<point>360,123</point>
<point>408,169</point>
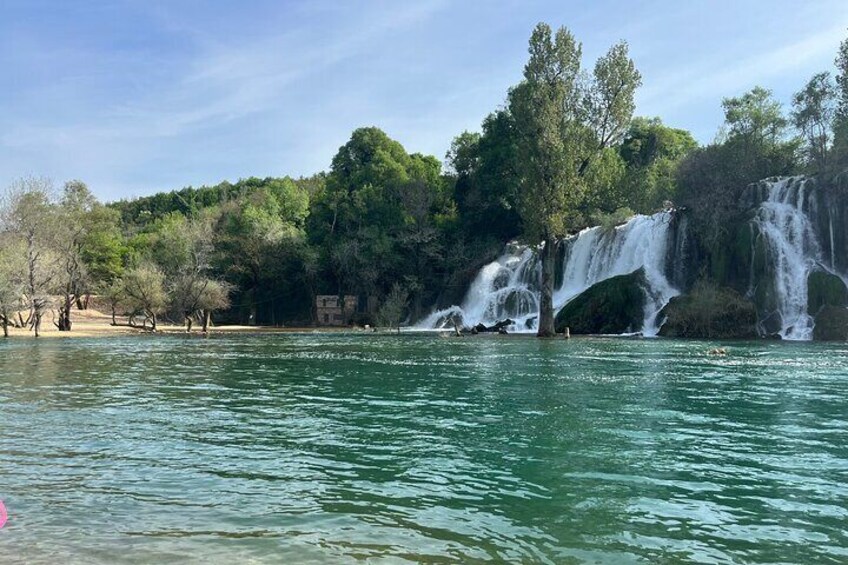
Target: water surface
<point>338,448</point>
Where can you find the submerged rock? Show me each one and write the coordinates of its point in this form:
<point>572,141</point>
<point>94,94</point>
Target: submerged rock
<point>499,327</point>
<point>612,306</point>
<point>710,312</point>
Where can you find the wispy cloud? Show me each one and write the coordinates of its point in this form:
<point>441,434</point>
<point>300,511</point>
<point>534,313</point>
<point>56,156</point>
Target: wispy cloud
<point>151,95</point>
<point>230,80</point>
<point>714,79</point>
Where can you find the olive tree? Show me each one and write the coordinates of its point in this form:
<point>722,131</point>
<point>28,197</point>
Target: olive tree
<point>28,216</point>
<point>184,248</point>
<point>144,291</point>
<point>215,296</point>
<point>12,276</point>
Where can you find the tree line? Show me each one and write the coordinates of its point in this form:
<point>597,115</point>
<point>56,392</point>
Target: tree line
<point>563,152</point>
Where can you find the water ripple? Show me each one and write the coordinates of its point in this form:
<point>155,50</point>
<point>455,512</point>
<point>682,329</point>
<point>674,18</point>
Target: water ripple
<point>335,448</point>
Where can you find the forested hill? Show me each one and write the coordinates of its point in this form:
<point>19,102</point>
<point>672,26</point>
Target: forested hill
<point>383,217</point>
<point>142,211</point>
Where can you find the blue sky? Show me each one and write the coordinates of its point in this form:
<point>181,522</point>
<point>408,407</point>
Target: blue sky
<point>135,97</point>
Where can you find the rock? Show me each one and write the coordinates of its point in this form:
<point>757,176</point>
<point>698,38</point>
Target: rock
<point>710,312</point>
<point>831,324</point>
<point>720,351</point>
<point>499,327</point>
<point>613,306</point>
<point>825,289</point>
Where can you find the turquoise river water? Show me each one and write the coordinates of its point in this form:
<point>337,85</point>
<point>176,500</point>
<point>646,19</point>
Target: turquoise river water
<point>392,449</point>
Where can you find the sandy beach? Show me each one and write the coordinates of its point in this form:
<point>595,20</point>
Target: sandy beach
<point>93,323</point>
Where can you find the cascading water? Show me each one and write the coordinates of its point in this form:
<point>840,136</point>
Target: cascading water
<point>798,228</point>
<point>508,288</point>
<point>793,252</point>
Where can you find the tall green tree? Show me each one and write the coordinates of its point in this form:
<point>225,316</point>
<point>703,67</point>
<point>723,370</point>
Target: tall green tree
<point>840,133</point>
<point>261,234</point>
<point>565,121</point>
<point>813,114</point>
<point>755,118</point>
<point>376,221</point>
<point>756,144</point>
<point>651,152</point>
<point>484,170</point>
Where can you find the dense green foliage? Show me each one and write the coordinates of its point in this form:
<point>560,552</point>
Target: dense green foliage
<point>398,230</point>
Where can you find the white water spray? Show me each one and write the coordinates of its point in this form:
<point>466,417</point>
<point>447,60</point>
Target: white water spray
<point>509,287</point>
<point>794,251</point>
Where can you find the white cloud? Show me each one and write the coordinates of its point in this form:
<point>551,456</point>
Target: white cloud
<point>714,79</point>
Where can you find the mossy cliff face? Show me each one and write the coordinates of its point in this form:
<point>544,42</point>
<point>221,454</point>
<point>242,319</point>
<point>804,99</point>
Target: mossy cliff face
<point>613,306</point>
<point>766,253</point>
<point>710,312</point>
<point>827,302</point>
<point>825,289</point>
<point>828,206</point>
<point>831,324</point>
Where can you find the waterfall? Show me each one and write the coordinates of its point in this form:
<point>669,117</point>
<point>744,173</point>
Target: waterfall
<point>796,229</point>
<point>793,251</point>
<point>509,286</point>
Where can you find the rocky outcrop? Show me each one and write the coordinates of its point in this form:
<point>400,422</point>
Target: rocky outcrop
<point>827,303</point>
<point>825,289</point>
<point>710,312</point>
<point>613,306</point>
<point>499,327</point>
<point>831,324</point>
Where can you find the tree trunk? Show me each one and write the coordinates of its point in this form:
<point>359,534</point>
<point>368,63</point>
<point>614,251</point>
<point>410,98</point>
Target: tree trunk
<point>65,315</point>
<point>188,323</point>
<point>36,324</point>
<point>153,321</point>
<point>546,296</point>
<point>207,317</point>
<point>114,320</point>
<point>5,326</point>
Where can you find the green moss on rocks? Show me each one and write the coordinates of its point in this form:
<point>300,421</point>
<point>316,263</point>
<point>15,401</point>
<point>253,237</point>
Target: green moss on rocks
<point>731,258</point>
<point>825,289</point>
<point>710,312</point>
<point>831,324</point>
<point>613,306</point>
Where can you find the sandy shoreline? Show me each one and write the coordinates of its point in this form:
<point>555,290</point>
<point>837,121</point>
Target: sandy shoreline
<point>91,323</point>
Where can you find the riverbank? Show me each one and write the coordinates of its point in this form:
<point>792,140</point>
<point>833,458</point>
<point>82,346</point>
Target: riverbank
<point>92,323</point>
